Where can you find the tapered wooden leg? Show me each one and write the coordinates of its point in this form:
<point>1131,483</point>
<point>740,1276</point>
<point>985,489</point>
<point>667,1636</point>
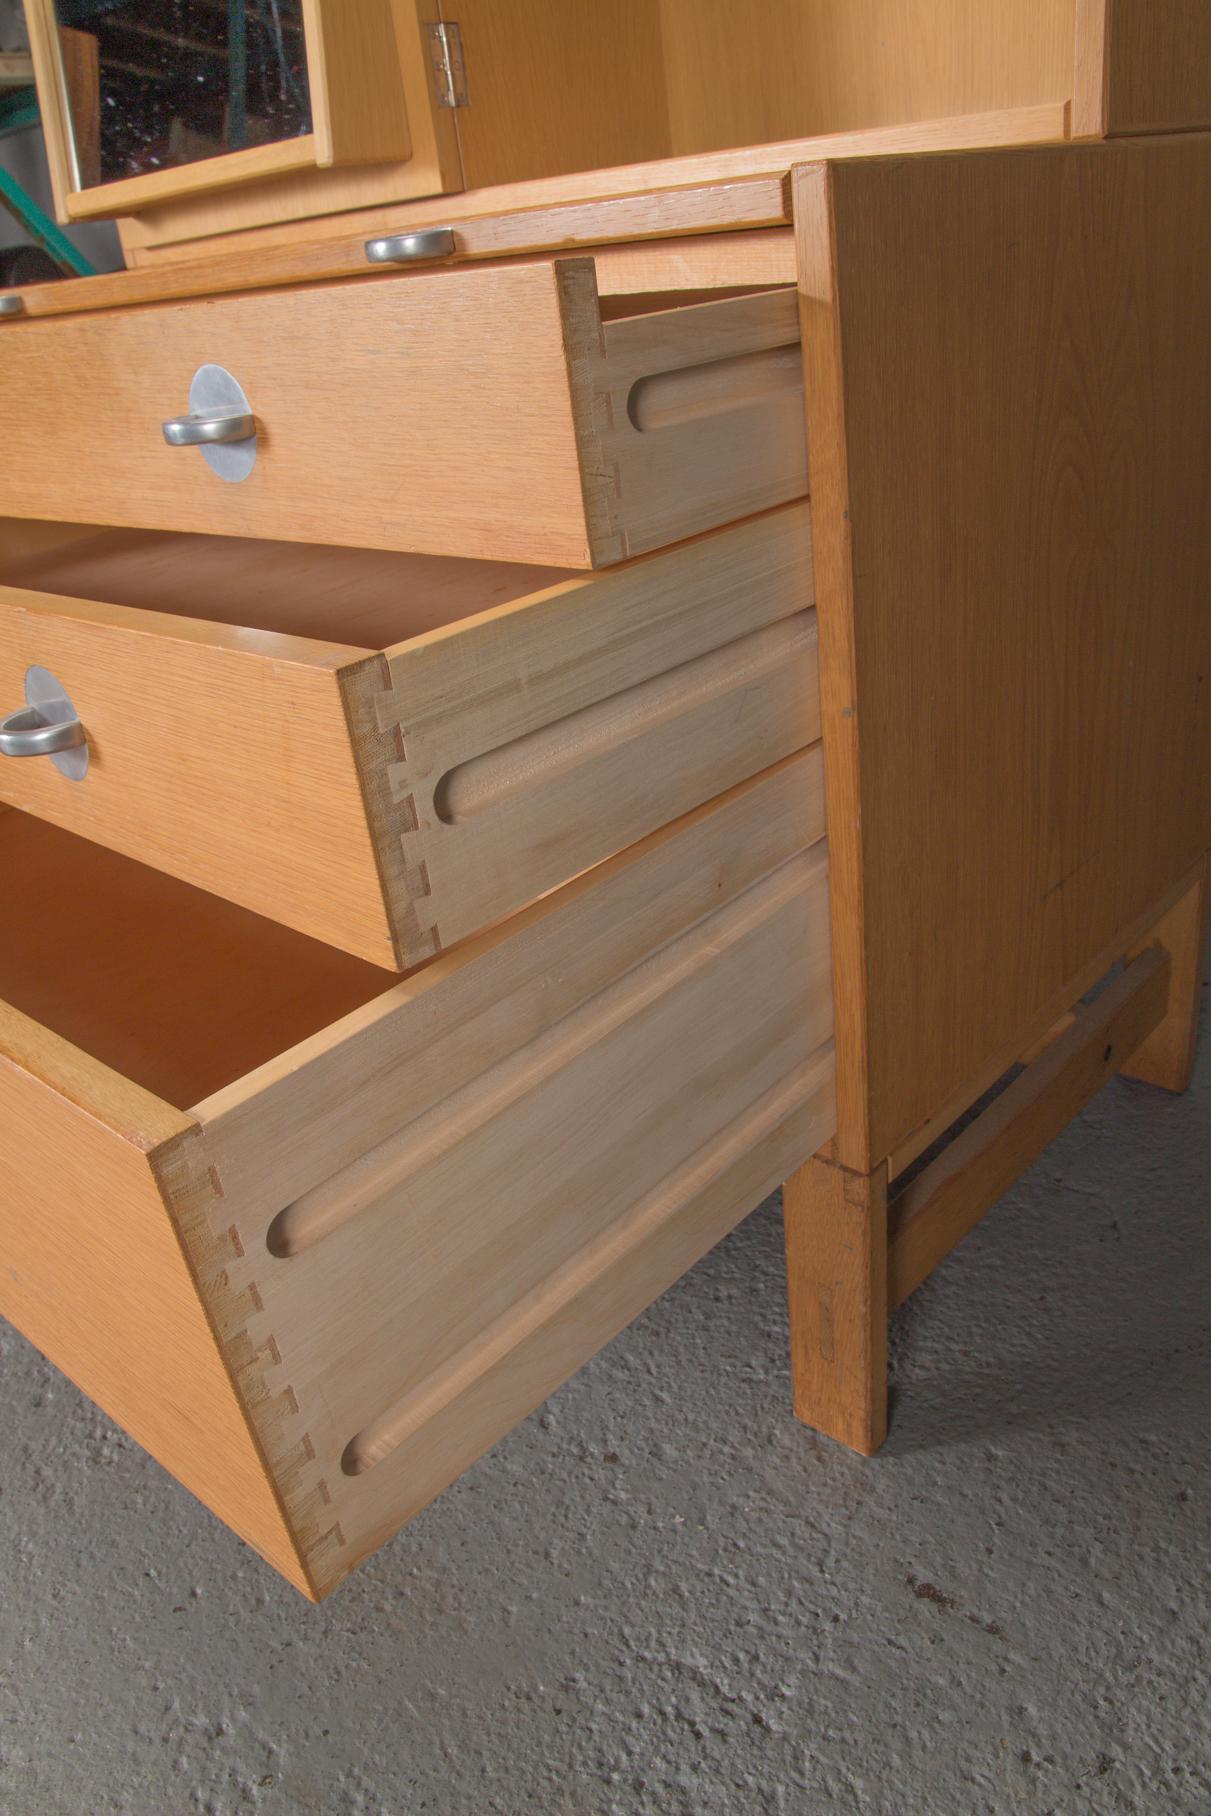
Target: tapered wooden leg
<point>1167,1056</point>
<point>836,1271</point>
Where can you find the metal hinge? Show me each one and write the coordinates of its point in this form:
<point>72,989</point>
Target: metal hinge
<point>449,70</point>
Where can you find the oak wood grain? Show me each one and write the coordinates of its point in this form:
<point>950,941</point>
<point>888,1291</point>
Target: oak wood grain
<point>220,755</point>
<point>836,1278</point>
<point>1010,563</point>
<point>946,1201</point>
<point>442,1178</point>
<point>460,411</point>
<point>1141,66</point>
<point>94,1274</point>
<point>369,203</point>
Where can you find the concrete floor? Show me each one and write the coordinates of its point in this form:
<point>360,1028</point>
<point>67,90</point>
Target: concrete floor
<point>661,1594</point>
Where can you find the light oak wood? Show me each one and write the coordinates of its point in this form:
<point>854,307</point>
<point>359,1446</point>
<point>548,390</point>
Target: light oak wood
<point>1043,1027</point>
<point>525,452</point>
<point>289,212</point>
<point>836,1276</point>
<point>500,729</point>
<point>555,88</point>
<point>231,170</point>
<point>1045,612</point>
<point>407,1227</point>
<point>699,257</point>
<point>740,71</point>
<point>661,1021</point>
<point>357,90</point>
<point>110,1298</point>
<point>945,1201</point>
<point>1166,1058</point>
<point>46,57</point>
<point>172,988</point>
<point>540,737</point>
<point>1141,67</point>
<point>219,755</point>
<point>357,86</point>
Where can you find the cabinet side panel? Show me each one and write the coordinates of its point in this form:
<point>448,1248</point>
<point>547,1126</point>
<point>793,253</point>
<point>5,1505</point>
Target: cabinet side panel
<point>1141,67</point>
<point>1026,366</point>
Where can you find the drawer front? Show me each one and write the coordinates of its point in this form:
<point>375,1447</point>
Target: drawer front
<point>391,804</point>
<point>91,1270</point>
<point>407,1229</point>
<point>479,411</point>
<point>221,756</point>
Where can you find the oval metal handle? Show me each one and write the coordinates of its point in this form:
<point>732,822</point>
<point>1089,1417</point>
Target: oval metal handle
<point>26,733</point>
<point>410,248</point>
<point>12,303</point>
<point>197,431</point>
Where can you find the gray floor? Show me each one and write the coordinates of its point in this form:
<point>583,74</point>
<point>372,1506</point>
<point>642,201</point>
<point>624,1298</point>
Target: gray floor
<point>661,1594</point>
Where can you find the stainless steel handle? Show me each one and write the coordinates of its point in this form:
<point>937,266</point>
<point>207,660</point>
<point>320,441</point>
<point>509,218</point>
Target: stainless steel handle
<point>411,248</point>
<point>11,303</point>
<point>26,733</point>
<point>197,431</point>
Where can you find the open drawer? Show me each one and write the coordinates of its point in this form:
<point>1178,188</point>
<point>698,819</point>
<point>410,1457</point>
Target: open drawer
<point>388,752</point>
<point>484,411</point>
<point>317,1236</point>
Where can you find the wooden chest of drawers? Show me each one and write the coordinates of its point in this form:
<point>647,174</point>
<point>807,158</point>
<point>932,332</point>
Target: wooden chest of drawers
<point>318,1232</point>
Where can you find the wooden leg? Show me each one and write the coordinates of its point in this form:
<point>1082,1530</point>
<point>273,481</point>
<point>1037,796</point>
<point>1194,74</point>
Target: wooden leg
<point>836,1270</point>
<point>1167,1057</point>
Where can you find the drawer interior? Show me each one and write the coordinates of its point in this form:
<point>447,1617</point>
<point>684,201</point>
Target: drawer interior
<point>364,598</point>
<point>176,989</point>
<point>409,1208</point>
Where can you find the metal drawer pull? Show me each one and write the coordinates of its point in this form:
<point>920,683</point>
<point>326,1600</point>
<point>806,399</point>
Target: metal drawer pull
<point>48,725</point>
<point>12,304</point>
<point>199,431</point>
<point>26,733</point>
<point>220,424</point>
<point>409,248</point>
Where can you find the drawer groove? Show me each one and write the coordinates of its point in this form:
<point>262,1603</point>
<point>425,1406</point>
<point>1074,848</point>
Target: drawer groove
<point>401,1421</point>
<point>664,400</point>
<point>384,1169</point>
<point>554,750</point>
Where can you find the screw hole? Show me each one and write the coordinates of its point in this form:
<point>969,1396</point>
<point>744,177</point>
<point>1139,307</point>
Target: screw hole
<point>1108,1052</point>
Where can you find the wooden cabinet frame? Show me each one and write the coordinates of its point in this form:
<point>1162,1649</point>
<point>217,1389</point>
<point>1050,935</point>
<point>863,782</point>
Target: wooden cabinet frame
<point>1006,366</point>
<point>359,110</point>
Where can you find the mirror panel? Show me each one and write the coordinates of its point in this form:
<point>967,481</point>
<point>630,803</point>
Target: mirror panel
<point>157,84</point>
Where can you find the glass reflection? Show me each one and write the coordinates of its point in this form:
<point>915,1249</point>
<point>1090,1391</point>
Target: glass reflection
<point>154,84</point>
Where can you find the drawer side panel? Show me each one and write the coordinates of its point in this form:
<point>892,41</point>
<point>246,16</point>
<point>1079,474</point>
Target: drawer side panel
<point>552,1124</point>
<point>540,738</point>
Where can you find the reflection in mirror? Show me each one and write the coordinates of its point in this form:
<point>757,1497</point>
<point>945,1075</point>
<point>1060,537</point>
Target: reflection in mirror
<point>153,84</point>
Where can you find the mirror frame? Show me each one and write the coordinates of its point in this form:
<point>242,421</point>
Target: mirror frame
<point>359,114</point>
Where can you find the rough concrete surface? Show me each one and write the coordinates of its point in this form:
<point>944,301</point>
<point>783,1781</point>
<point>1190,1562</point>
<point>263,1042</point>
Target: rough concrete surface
<point>661,1594</point>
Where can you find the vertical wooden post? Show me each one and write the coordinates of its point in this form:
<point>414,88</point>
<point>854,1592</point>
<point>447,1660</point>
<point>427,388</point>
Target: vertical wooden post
<point>836,1270</point>
<point>1167,1056</point>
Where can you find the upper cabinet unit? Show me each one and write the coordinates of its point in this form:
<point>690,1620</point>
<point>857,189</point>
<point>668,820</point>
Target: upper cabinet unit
<point>192,119</point>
